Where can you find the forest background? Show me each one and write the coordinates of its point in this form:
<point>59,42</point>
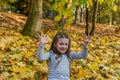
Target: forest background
<point>22,20</point>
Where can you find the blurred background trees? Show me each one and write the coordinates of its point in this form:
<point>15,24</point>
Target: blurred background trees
<point>65,12</point>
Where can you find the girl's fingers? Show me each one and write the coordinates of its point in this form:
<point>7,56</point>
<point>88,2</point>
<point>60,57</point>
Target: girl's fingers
<point>42,36</point>
<point>89,37</point>
<point>86,39</point>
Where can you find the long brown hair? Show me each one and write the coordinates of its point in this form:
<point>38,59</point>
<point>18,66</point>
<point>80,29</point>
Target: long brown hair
<point>55,40</point>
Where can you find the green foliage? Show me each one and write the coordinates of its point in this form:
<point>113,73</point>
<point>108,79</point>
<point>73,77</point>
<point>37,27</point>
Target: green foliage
<point>6,3</point>
<point>101,1</point>
<point>110,2</point>
<point>118,73</point>
<point>60,7</point>
<point>79,3</point>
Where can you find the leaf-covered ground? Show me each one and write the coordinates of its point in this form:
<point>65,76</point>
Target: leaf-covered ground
<point>18,53</point>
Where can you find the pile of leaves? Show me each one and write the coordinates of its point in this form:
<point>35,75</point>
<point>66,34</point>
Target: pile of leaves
<point>18,53</point>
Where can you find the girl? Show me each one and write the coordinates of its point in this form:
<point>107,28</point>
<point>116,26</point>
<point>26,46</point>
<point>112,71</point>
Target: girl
<point>59,56</point>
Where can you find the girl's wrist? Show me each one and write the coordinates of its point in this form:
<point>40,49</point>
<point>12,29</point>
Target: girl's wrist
<point>41,44</point>
<point>85,43</point>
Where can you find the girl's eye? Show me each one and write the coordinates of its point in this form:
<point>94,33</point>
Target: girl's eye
<point>61,43</point>
<point>66,44</point>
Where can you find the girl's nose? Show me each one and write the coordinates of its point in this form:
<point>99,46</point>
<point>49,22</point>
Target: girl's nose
<point>64,46</point>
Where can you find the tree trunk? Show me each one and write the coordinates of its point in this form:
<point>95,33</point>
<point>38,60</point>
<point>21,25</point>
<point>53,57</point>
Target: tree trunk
<point>81,15</point>
<point>94,17</point>
<point>62,22</point>
<point>76,15</point>
<point>110,16</point>
<point>34,20</point>
<point>87,25</point>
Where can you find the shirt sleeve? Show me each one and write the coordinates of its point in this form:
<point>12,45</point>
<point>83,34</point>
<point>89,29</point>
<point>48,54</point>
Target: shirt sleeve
<point>41,55</point>
<point>80,55</point>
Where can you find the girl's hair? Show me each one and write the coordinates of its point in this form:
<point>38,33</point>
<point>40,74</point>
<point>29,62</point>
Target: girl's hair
<point>55,40</point>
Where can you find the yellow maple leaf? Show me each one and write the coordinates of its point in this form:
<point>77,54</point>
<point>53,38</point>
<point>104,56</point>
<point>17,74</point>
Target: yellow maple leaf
<point>93,66</point>
<point>97,59</point>
<point>21,64</point>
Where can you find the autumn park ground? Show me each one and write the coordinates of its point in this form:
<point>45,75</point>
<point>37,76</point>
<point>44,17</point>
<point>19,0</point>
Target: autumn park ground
<point>18,53</point>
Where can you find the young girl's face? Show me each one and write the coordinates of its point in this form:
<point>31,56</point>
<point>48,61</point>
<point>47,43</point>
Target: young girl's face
<point>62,45</point>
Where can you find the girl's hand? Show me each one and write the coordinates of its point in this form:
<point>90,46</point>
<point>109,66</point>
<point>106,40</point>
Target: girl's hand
<point>86,39</point>
<point>43,39</point>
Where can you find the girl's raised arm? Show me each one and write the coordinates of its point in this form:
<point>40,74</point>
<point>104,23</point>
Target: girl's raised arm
<point>84,52</point>
<point>40,54</point>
